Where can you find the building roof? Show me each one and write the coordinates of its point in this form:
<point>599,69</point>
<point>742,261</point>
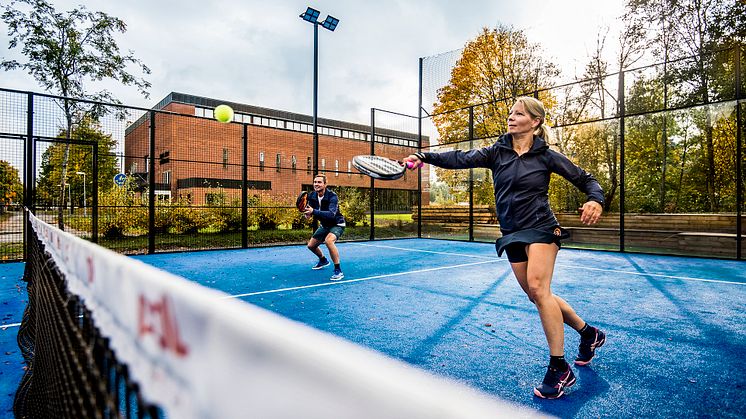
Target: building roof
<point>183,98</point>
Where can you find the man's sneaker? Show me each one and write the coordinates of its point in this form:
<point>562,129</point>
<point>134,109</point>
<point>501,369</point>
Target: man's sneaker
<point>588,347</point>
<point>554,383</point>
<point>323,263</point>
<point>337,275</point>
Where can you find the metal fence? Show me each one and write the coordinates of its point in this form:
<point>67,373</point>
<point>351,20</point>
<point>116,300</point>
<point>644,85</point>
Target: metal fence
<point>670,158</point>
<point>668,152</point>
<point>173,178</point>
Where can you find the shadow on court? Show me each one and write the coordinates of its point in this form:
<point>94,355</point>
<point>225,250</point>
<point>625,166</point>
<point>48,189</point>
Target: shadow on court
<point>675,326</point>
<point>676,335</point>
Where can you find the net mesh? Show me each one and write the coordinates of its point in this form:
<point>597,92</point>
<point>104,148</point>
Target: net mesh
<point>106,336</point>
<point>71,372</point>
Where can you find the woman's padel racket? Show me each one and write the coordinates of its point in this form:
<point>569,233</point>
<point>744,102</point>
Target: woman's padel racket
<point>381,168</point>
<point>302,202</point>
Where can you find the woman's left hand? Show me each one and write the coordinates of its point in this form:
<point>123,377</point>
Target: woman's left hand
<point>590,212</point>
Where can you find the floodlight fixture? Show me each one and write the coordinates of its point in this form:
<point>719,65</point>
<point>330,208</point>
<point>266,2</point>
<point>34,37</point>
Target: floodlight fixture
<point>311,15</point>
<point>330,23</point>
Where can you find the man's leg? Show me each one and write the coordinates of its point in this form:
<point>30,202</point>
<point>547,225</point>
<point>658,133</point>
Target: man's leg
<point>313,245</point>
<point>330,241</point>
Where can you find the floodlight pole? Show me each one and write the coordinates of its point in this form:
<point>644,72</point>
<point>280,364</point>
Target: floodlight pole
<point>311,16</point>
<point>315,98</point>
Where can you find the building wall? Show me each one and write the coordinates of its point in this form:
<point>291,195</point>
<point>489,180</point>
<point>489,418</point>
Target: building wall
<point>207,156</point>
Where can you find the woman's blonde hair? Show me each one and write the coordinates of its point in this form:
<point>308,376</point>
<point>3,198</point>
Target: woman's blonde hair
<point>535,109</point>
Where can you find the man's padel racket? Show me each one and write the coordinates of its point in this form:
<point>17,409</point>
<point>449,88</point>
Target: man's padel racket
<point>302,202</point>
<point>381,168</point>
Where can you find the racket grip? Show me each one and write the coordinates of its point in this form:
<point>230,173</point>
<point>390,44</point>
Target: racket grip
<point>410,164</point>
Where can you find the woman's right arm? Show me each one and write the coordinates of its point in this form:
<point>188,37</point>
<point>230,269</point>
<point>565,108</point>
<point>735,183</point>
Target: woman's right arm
<point>456,159</point>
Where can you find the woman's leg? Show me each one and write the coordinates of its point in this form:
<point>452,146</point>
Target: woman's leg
<point>539,270</point>
<point>569,317</point>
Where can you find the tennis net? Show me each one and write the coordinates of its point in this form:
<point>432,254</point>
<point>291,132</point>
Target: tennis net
<point>104,335</point>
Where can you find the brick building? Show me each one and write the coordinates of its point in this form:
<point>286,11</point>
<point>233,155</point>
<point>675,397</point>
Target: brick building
<point>197,156</point>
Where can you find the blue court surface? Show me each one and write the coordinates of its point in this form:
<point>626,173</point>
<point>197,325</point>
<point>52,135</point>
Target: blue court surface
<point>676,327</point>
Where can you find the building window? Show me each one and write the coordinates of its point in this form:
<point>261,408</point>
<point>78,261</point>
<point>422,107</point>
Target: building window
<point>294,163</point>
<point>147,166</point>
<point>349,168</point>
<point>133,169</point>
<point>225,158</point>
<point>323,165</point>
<point>261,161</point>
<point>336,167</point>
<point>164,196</point>
<point>278,161</point>
<point>308,165</point>
<point>167,177</point>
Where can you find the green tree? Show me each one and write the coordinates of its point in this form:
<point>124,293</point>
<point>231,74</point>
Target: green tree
<point>596,100</point>
<point>11,189</point>
<point>80,159</point>
<point>64,50</point>
<point>497,66</point>
<point>697,29</point>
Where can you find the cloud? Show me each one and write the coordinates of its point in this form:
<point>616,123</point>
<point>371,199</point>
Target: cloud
<point>260,52</point>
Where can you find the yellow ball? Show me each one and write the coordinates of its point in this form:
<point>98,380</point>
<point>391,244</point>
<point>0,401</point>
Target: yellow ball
<point>224,113</point>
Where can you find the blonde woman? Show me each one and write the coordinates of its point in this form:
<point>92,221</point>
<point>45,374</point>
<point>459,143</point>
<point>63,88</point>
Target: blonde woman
<point>521,163</point>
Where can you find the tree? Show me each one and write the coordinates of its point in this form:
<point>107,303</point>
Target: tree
<point>80,159</point>
<point>64,51</point>
<point>696,29</point>
<point>597,99</point>
<point>496,67</point>
<point>11,189</point>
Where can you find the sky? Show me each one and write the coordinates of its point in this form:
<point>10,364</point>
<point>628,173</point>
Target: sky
<point>260,52</point>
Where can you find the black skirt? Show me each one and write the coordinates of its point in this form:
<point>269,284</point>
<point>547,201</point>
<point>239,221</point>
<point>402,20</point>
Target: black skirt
<point>550,234</point>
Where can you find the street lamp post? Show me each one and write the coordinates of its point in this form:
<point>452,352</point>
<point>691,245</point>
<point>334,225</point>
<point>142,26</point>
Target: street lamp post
<point>311,16</point>
<point>85,209</point>
<point>69,198</point>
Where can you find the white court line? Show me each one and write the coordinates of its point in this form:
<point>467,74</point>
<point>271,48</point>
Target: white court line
<point>565,265</point>
<point>429,251</point>
<point>720,281</point>
<point>325,284</point>
<point>5,326</point>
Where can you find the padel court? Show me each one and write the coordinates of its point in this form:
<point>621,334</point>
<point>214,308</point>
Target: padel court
<point>676,337</point>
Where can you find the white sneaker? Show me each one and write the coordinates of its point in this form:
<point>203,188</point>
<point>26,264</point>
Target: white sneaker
<point>337,275</point>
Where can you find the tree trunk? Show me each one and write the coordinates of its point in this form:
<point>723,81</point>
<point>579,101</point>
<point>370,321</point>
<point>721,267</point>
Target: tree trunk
<point>63,172</point>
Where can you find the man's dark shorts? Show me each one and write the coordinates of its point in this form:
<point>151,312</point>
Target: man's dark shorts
<point>322,232</point>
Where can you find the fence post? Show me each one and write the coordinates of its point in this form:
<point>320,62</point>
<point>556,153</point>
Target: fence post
<point>29,174</point>
<point>245,187</point>
<point>471,176</point>
<point>151,186</point>
<point>419,148</point>
<point>621,160</point>
<point>372,181</point>
<point>739,154</point>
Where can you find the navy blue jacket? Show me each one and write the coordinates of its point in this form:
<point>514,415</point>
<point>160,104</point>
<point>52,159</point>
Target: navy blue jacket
<point>521,182</point>
<point>328,214</point>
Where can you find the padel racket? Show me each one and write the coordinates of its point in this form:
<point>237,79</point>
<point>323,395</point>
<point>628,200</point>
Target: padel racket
<point>381,168</point>
<point>302,202</point>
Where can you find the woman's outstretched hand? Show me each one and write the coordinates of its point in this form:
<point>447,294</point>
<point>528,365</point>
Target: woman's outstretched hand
<point>416,162</point>
<point>590,212</point>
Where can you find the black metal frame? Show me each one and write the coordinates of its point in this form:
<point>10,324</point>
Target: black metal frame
<point>621,117</point>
